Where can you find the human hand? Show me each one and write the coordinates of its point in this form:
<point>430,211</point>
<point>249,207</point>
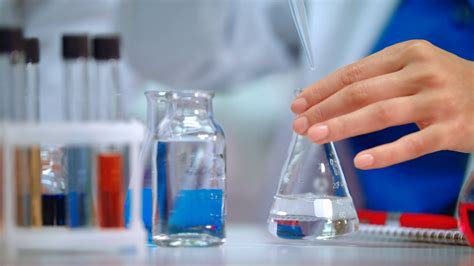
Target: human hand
<point>409,82</point>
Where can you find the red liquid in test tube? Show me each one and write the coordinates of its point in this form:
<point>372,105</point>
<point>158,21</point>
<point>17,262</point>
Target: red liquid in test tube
<point>110,190</point>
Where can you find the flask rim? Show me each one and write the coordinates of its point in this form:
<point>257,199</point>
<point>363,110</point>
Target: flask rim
<point>181,93</point>
<point>192,94</point>
<point>156,92</point>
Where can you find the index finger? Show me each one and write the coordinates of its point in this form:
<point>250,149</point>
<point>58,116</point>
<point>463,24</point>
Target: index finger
<point>382,62</point>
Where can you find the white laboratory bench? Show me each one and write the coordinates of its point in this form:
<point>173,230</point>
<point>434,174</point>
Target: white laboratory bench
<point>252,245</point>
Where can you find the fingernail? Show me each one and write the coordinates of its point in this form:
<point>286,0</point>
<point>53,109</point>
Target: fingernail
<point>299,105</point>
<point>317,133</point>
<point>364,160</point>
<point>300,125</point>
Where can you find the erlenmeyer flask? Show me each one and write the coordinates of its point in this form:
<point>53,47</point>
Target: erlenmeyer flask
<point>312,200</point>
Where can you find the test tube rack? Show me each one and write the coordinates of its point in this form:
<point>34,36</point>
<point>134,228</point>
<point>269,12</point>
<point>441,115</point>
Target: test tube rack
<point>14,237</point>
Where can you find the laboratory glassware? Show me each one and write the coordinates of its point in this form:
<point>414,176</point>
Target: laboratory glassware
<point>32,57</point>
<point>111,167</point>
<point>11,80</point>
<point>465,209</point>
<point>189,173</point>
<point>108,92</point>
<point>12,64</point>
<point>53,186</point>
<point>156,107</point>
<point>91,238</point>
<point>299,14</point>
<point>75,50</point>
<point>18,114</point>
<point>77,158</point>
<point>14,109</point>
<point>312,200</point>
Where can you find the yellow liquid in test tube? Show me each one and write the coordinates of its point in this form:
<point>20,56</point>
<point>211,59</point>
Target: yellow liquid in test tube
<point>21,181</point>
<point>35,185</point>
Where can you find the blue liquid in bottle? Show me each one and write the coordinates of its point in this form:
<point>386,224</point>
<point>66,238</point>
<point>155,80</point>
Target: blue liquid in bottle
<point>190,200</point>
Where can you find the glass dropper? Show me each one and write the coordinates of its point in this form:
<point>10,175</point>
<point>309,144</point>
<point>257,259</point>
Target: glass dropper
<point>298,11</point>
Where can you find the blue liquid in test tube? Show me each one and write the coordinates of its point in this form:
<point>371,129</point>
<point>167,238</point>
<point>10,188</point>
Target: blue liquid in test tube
<point>79,191</point>
<point>53,209</point>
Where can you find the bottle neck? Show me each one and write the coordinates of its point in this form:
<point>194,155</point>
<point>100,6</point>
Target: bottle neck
<point>76,84</point>
<point>189,114</point>
<point>199,107</point>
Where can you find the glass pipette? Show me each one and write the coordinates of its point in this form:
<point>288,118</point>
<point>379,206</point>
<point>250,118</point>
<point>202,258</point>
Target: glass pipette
<point>298,11</point>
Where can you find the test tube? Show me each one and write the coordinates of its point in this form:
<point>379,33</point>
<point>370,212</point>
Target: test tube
<point>111,160</point>
<point>298,11</point>
<point>9,48</point>
<point>12,67</point>
<point>53,186</point>
<point>12,74</point>
<point>21,171</point>
<point>32,57</point>
<point>77,108</point>
<point>31,46</point>
<point>18,114</point>
<point>76,77</point>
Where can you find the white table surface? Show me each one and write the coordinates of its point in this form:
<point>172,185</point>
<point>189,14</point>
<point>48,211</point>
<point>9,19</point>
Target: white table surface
<point>252,245</point>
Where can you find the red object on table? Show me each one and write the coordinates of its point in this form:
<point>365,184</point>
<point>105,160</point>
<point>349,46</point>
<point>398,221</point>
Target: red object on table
<point>466,220</point>
<point>414,220</point>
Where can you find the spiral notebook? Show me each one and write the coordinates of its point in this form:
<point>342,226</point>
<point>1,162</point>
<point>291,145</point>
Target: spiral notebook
<point>452,237</point>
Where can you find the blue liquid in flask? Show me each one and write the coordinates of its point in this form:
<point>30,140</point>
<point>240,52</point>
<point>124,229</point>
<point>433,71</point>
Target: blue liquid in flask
<point>190,207</point>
